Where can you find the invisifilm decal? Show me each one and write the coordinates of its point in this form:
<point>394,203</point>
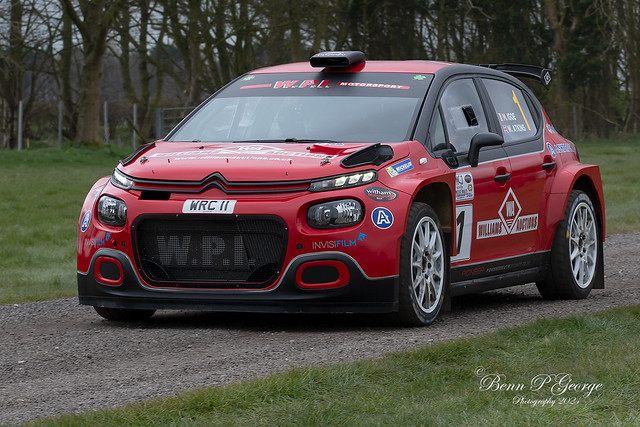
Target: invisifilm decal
<point>338,244</point>
<point>510,221</point>
<point>97,243</point>
<point>382,218</point>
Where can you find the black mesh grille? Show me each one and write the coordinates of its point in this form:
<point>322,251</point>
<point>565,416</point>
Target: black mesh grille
<point>213,253</point>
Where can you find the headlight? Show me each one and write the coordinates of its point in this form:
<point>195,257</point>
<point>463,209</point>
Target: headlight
<point>343,181</point>
<point>120,180</point>
<point>112,211</point>
<point>335,214</point>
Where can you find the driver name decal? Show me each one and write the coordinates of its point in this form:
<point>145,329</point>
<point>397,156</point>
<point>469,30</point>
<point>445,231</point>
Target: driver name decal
<point>510,221</point>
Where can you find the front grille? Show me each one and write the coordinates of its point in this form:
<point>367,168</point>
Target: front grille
<point>238,252</point>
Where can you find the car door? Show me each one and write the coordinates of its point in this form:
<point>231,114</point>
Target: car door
<point>532,167</point>
<point>480,190</point>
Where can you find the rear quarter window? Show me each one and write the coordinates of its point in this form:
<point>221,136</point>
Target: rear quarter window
<point>512,109</point>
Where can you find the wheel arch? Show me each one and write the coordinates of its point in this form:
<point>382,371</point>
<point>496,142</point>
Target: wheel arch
<point>580,177</point>
<point>438,195</point>
<point>585,178</point>
<point>585,184</point>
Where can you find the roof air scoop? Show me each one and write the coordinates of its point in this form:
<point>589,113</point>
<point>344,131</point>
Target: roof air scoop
<point>337,59</point>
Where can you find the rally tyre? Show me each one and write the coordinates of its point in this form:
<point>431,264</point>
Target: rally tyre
<point>576,253</point>
<point>424,268</point>
<point>124,314</point>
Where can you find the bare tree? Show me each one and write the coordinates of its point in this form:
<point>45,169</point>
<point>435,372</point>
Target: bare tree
<point>94,19</point>
<point>190,48</point>
<point>11,74</point>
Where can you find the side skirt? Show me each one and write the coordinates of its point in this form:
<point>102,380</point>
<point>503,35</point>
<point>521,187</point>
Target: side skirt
<point>480,277</point>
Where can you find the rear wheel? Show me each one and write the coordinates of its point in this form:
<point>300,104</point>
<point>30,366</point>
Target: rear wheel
<point>575,254</point>
<point>124,313</point>
<point>424,265</point>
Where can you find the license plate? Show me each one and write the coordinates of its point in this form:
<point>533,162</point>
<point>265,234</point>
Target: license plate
<point>209,206</point>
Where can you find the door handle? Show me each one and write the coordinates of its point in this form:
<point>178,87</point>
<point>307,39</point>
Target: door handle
<point>502,178</point>
<point>548,165</point>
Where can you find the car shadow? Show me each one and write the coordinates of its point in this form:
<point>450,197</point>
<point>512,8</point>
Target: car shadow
<point>511,298</point>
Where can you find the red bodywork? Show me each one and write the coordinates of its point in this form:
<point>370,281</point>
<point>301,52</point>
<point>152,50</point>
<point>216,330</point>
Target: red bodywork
<point>488,223</point>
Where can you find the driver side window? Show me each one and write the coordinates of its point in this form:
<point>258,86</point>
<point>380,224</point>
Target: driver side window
<point>462,113</point>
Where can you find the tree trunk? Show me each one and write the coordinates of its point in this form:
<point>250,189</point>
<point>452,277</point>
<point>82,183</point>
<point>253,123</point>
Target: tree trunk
<point>556,18</point>
<point>66,93</point>
<point>194,38</point>
<point>12,74</point>
<point>90,97</point>
<point>98,18</point>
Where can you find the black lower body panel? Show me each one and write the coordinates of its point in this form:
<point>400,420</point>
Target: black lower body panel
<point>360,294</point>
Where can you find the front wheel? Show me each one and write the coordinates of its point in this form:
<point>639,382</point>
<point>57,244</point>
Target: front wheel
<point>424,268</point>
<point>124,313</point>
<point>576,253</point>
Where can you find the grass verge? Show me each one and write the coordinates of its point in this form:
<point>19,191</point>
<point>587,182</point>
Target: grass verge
<point>41,193</point>
<point>618,161</point>
<point>587,365</point>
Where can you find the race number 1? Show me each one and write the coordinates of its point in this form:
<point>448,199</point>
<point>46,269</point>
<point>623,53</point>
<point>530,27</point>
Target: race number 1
<point>464,226</point>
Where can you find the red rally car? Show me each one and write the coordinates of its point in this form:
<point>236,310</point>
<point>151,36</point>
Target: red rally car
<point>346,185</point>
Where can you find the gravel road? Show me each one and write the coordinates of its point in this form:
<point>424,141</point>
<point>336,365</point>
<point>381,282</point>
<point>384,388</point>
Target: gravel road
<point>58,357</point>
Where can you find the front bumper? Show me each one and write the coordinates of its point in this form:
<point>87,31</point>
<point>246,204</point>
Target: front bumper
<point>351,292</point>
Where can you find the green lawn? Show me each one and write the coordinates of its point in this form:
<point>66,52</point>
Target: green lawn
<point>619,162</point>
<point>584,370</point>
<point>41,193</point>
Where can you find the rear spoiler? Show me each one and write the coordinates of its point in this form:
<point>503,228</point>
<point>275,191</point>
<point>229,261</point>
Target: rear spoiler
<point>525,71</point>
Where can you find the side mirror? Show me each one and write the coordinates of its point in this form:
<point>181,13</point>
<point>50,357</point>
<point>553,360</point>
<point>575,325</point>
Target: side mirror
<point>480,140</point>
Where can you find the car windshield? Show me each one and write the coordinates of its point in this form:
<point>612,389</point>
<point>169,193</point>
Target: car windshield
<point>355,107</point>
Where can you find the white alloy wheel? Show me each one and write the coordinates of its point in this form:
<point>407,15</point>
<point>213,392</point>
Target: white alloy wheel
<point>583,244</point>
<point>427,265</point>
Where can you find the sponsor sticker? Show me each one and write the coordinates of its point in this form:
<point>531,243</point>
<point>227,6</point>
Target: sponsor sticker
<point>209,206</point>
<point>551,150</point>
<point>86,220</point>
<point>380,194</point>
<point>373,85</point>
<point>97,191</point>
<point>339,244</point>
<point>382,218</point>
<point>399,168</point>
<point>464,187</point>
<point>244,152</point>
<point>564,148</point>
<point>510,221</point>
<point>97,243</point>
